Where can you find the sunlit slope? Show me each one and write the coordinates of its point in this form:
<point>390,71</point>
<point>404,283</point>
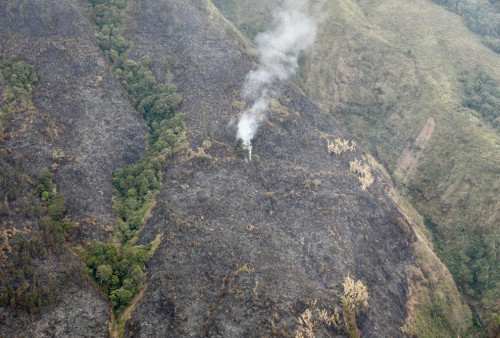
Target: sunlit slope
<point>392,78</point>
<point>392,73</point>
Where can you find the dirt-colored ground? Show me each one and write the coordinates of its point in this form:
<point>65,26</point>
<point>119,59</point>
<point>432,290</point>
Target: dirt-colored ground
<point>409,160</point>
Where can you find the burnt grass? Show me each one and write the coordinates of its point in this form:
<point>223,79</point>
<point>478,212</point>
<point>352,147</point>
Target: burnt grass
<point>247,247</point>
<point>80,108</point>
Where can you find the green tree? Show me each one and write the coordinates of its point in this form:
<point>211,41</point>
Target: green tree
<point>104,273</point>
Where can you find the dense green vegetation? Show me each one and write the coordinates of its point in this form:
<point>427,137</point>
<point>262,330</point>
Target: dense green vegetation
<point>483,96</point>
<point>19,75</point>
<point>24,283</point>
<point>475,267</point>
<point>20,79</point>
<point>118,267</point>
<point>482,17</point>
<point>118,273</point>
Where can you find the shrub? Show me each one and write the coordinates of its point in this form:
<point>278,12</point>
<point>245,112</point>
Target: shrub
<point>354,300</point>
<point>241,149</point>
<point>339,146</point>
<point>364,171</point>
<point>19,75</point>
<point>355,296</point>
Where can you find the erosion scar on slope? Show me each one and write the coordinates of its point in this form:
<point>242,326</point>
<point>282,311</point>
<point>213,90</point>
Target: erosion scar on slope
<point>408,162</point>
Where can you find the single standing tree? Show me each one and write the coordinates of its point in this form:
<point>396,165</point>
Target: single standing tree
<point>104,273</point>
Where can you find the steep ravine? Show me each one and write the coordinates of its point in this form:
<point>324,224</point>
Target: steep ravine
<point>82,128</point>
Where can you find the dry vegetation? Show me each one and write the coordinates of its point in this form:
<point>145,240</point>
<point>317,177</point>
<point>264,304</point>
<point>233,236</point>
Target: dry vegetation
<point>338,146</point>
<point>354,300</point>
<point>311,320</point>
<point>364,171</point>
<point>355,296</point>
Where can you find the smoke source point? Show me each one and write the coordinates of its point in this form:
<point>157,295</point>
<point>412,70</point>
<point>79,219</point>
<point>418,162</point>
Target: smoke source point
<point>294,31</point>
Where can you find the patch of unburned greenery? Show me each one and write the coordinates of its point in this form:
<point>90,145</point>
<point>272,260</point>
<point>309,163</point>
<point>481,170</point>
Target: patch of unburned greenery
<point>481,17</point>
<point>24,284</point>
<point>461,208</point>
<point>19,75</point>
<point>237,12</point>
<point>435,306</point>
<point>20,79</point>
<point>119,274</point>
<point>118,267</point>
<point>482,94</point>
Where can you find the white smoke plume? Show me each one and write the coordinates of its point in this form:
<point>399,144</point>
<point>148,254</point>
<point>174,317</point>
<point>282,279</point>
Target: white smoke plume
<point>294,31</point>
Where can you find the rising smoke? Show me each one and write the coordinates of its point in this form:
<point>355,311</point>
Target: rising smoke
<point>294,31</point>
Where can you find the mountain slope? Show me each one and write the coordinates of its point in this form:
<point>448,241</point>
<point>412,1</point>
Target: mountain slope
<point>420,92</point>
<point>452,175</point>
<point>297,205</point>
<point>247,248</point>
<point>81,127</point>
<point>78,94</point>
